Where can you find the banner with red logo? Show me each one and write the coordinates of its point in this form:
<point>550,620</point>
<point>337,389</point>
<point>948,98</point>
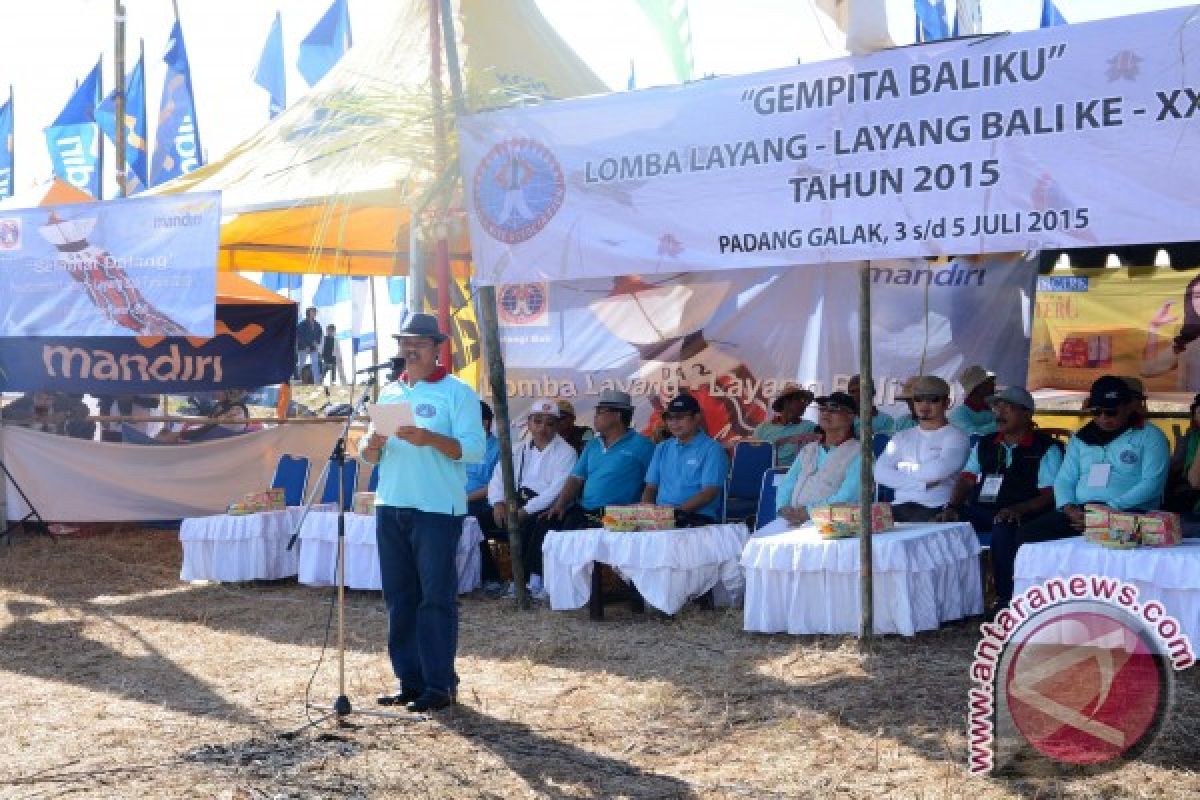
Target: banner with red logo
<point>732,339</point>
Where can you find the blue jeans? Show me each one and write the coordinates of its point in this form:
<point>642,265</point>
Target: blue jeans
<point>420,588</point>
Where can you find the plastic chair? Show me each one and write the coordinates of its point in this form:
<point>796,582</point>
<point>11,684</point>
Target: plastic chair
<point>751,458</point>
<point>291,475</point>
<point>766,496</point>
<point>879,443</point>
<point>373,482</point>
<point>349,483</point>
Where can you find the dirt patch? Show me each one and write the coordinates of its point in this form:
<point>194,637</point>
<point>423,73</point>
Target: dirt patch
<point>117,680</point>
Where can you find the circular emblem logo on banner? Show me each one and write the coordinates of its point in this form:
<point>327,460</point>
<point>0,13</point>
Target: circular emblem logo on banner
<point>519,187</point>
<point>522,303</point>
<point>1085,685</point>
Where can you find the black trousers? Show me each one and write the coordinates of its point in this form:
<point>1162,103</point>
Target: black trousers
<point>913,512</point>
<point>1007,540</point>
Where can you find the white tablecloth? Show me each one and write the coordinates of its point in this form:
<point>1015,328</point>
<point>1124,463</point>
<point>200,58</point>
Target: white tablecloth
<point>667,567</point>
<point>800,583</point>
<point>318,552</point>
<point>249,547</point>
<point>1170,575</point>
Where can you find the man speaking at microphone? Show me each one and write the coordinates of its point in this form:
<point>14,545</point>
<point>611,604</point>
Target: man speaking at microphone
<point>419,507</point>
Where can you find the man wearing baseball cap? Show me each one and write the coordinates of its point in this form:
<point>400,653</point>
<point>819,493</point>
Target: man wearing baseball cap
<point>792,430</point>
<point>479,474</point>
<point>973,415</point>
<point>688,470</point>
<point>824,472</point>
<point>1009,477</point>
<point>419,508</point>
<point>1116,460</point>
<point>922,463</point>
<point>541,466</point>
<point>610,471</point>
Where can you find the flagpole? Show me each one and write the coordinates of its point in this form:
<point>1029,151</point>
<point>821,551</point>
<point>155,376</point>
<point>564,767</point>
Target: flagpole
<point>119,69</point>
<point>442,246</point>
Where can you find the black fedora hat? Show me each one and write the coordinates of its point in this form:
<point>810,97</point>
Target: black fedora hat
<point>425,325</point>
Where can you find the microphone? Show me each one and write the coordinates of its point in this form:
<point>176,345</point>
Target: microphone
<point>396,364</point>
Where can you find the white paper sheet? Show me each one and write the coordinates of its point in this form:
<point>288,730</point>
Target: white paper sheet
<point>387,417</point>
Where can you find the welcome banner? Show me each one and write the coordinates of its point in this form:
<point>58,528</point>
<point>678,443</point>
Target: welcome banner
<point>1066,137</point>
<point>134,267</point>
<point>732,339</point>
<point>1136,321</point>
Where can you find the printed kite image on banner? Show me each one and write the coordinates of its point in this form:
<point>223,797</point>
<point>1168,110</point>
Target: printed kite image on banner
<point>133,267</point>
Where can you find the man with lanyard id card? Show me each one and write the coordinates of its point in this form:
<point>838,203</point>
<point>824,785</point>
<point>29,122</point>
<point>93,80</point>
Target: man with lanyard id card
<point>1116,460</point>
<point>1009,476</point>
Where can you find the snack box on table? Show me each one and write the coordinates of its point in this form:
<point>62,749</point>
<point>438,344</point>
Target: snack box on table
<point>841,520</point>
<point>254,502</point>
<point>639,517</point>
<point>1124,529</point>
<point>364,503</point>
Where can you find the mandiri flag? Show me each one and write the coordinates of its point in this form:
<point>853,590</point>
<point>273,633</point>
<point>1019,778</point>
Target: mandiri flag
<point>177,140</point>
<point>931,20</point>
<point>74,139</point>
<point>136,162</point>
<point>6,147</point>
<point>1051,16</point>
<point>270,74</point>
<point>325,43</point>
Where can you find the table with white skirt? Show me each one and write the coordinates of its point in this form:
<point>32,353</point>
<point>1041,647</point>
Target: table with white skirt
<point>799,582</point>
<point>667,567</point>
<point>241,547</point>
<point>1170,575</point>
<point>318,552</point>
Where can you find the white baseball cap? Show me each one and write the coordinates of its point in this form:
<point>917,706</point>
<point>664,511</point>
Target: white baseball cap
<point>547,407</point>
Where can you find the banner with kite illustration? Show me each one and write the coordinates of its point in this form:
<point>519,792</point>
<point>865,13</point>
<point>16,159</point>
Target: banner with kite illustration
<point>133,267</point>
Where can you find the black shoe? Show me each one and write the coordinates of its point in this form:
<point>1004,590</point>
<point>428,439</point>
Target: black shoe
<point>398,699</point>
<point>430,701</point>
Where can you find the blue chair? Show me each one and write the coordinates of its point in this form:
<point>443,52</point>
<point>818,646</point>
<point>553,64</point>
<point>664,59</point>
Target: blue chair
<point>879,443</point>
<point>291,475</point>
<point>751,458</point>
<point>349,483</point>
<point>373,482</point>
<point>766,496</point>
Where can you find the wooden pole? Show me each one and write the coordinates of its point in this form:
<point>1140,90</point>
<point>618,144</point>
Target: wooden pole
<point>119,68</point>
<point>866,402</point>
<point>490,332</point>
<point>441,232</point>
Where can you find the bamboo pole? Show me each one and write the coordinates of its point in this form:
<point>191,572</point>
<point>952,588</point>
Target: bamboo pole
<point>866,402</point>
<point>494,358</point>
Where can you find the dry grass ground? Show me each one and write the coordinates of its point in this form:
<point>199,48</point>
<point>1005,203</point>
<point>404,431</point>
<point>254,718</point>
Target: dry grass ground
<point>116,680</point>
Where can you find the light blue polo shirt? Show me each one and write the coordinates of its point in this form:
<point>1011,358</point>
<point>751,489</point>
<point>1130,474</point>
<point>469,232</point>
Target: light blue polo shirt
<point>478,475</point>
<point>1138,460</point>
<point>972,422</point>
<point>847,492</point>
<point>903,423</point>
<point>785,454</point>
<point>422,477</point>
<point>681,470</point>
<point>880,423</point>
<point>613,475</point>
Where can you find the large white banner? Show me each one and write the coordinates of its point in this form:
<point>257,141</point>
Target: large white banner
<point>732,339</point>
<point>1066,137</point>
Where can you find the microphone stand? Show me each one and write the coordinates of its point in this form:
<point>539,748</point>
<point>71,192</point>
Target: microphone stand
<point>341,707</point>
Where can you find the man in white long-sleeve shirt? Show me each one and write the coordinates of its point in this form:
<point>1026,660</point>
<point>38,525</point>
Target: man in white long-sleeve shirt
<point>540,468</point>
<point>921,464</point>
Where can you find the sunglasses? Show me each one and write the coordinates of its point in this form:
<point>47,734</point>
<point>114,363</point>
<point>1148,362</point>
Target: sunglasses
<point>928,398</point>
<point>1105,412</point>
<point>832,409</point>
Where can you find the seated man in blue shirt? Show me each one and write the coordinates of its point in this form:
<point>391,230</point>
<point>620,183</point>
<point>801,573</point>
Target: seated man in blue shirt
<point>824,472</point>
<point>610,470</point>
<point>1009,477</point>
<point>688,470</point>
<point>973,416</point>
<point>1115,460</point>
<point>478,476</point>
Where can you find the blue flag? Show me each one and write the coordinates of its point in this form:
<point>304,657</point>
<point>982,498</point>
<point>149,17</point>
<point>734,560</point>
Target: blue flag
<point>177,140</point>
<point>1051,16</point>
<point>281,282</point>
<point>6,147</point>
<point>332,289</point>
<point>270,74</point>
<point>136,160</point>
<point>74,139</point>
<point>931,20</point>
<point>325,43</point>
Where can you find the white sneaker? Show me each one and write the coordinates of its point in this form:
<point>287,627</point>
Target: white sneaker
<point>535,583</point>
<point>539,595</point>
<point>510,591</point>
